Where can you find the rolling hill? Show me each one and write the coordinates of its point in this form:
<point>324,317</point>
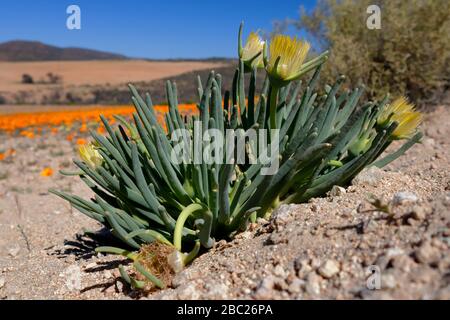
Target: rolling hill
<point>19,50</point>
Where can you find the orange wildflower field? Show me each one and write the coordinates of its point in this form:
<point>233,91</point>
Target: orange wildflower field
<point>71,124</point>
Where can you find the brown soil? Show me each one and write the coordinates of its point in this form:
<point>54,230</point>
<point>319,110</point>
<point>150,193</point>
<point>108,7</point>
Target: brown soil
<point>322,249</point>
<point>94,72</point>
<point>81,79</point>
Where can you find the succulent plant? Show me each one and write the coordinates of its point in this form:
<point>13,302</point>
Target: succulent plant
<point>321,139</point>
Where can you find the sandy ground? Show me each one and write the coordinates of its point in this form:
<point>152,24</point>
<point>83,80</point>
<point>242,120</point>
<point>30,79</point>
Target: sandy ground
<point>93,72</point>
<point>336,247</point>
<point>85,82</point>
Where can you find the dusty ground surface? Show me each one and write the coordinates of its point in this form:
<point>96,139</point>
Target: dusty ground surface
<point>79,80</point>
<point>338,246</point>
<point>94,72</point>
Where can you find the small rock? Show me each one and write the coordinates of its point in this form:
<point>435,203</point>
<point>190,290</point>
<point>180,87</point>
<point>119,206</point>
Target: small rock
<point>265,288</point>
<point>370,226</point>
<point>277,238</point>
<point>13,252</point>
<point>302,267</point>
<point>337,191</point>
<point>404,196</point>
<point>369,176</point>
<point>261,221</point>
<point>119,286</point>
<point>279,271</point>
<point>91,265</point>
<point>313,284</point>
<point>244,235</point>
<point>2,282</point>
<point>246,291</point>
<point>189,291</point>
<point>429,142</point>
<point>392,252</point>
<point>283,214</point>
<point>315,263</point>
<point>185,276</point>
<point>329,269</point>
<point>388,281</point>
<point>220,244</point>
<point>296,285</point>
<point>427,254</point>
<point>216,290</point>
<point>418,213</point>
<point>402,262</point>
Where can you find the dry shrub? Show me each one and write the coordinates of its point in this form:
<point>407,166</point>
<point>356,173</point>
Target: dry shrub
<point>27,79</point>
<point>409,55</point>
<point>153,257</point>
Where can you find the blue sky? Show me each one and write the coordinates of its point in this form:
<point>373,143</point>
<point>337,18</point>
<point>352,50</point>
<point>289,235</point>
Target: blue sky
<point>150,29</point>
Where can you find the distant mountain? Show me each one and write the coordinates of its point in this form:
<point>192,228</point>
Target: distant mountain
<point>38,51</point>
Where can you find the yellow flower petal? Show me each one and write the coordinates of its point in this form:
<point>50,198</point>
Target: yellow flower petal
<point>90,155</point>
<point>407,124</point>
<point>291,53</point>
<point>402,112</point>
<point>253,46</point>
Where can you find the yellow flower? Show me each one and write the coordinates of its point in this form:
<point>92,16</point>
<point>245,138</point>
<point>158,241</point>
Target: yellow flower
<point>251,53</point>
<point>407,125</point>
<point>286,57</point>
<point>402,112</point>
<point>90,155</point>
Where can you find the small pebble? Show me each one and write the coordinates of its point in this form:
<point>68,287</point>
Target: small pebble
<point>329,269</point>
<point>369,176</point>
<point>296,285</point>
<point>427,254</point>
<point>313,284</point>
<point>404,196</point>
<point>91,265</point>
<point>418,213</point>
<point>265,288</point>
<point>388,281</point>
<point>337,191</point>
<point>279,271</point>
<point>119,286</point>
<point>13,252</point>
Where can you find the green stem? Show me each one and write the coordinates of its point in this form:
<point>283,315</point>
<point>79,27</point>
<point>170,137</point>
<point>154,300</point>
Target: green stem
<point>155,280</point>
<point>335,163</point>
<point>273,107</point>
<point>178,233</point>
<point>191,255</point>
<point>114,250</point>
